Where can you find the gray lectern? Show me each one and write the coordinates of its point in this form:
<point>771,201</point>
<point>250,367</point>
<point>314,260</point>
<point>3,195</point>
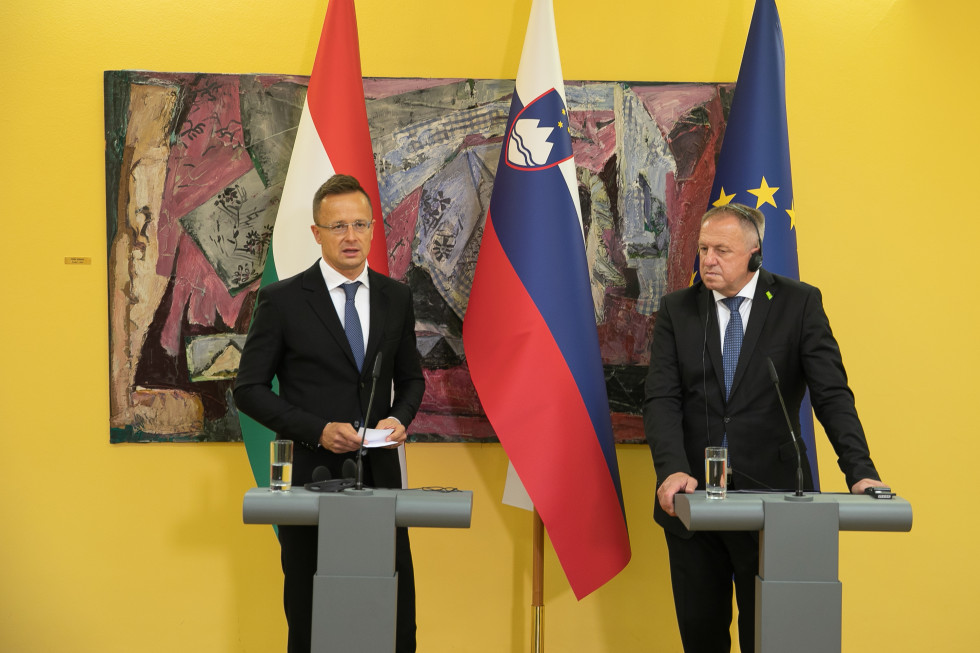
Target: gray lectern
<point>354,588</point>
<point>797,592</point>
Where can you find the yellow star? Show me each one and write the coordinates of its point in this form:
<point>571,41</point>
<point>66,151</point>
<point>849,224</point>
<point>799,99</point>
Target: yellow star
<point>764,194</point>
<point>560,124</point>
<point>792,215</point>
<point>691,280</point>
<point>722,198</point>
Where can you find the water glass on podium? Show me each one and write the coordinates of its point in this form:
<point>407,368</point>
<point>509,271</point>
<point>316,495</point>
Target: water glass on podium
<point>281,459</point>
<point>716,472</point>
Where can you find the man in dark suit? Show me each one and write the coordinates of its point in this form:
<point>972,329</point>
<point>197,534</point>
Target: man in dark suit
<point>300,334</point>
<point>690,405</point>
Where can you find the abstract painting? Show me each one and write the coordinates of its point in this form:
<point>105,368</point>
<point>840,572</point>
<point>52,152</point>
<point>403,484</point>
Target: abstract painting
<point>195,164</point>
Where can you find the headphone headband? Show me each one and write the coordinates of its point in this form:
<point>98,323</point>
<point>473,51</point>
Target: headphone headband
<point>755,261</point>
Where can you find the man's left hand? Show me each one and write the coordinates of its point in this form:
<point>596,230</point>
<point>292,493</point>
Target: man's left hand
<point>860,486</point>
<point>396,437</point>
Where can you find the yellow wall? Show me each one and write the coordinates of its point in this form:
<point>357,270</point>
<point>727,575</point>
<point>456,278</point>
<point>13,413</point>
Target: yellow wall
<point>100,550</point>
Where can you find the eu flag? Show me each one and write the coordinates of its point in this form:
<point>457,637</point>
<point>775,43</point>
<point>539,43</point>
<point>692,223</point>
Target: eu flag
<point>753,166</point>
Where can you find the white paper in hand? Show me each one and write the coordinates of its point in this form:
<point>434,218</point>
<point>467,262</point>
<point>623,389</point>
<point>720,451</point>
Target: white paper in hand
<point>374,438</point>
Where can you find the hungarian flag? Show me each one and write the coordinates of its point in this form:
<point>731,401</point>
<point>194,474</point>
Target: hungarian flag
<point>332,137</point>
<point>530,332</point>
<point>753,165</point>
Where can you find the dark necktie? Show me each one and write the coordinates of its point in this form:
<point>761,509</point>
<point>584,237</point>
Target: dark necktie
<point>352,324</point>
<point>731,347</point>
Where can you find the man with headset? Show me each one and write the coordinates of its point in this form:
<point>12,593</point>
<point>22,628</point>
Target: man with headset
<point>709,385</point>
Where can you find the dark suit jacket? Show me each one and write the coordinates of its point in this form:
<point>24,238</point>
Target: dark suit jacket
<point>685,408</point>
<point>297,337</point>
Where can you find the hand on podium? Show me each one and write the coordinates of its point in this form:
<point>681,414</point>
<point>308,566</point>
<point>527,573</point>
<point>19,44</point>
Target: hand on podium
<point>676,482</point>
<point>864,483</point>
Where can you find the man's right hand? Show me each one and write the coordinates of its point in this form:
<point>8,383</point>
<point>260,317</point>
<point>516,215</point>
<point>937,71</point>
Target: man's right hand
<point>676,482</point>
<point>339,437</point>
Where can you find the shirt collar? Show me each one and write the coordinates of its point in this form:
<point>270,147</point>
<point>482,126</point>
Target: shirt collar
<point>334,279</point>
<point>747,291</point>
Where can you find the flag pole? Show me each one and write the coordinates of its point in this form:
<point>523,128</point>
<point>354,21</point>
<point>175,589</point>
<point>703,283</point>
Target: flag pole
<point>537,585</point>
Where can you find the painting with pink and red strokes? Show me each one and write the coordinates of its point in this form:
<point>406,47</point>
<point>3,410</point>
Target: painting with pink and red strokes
<point>195,164</point>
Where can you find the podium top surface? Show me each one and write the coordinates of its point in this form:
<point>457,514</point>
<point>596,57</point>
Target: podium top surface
<point>747,511</point>
<point>301,507</point>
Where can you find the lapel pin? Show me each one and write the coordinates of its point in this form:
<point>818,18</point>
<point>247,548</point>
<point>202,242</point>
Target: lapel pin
<point>769,295</point>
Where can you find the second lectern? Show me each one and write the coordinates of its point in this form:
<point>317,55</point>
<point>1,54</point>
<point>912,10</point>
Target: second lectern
<point>797,591</point>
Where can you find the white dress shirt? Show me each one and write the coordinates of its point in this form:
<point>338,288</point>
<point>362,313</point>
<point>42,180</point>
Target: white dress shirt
<point>744,309</point>
<point>362,298</point>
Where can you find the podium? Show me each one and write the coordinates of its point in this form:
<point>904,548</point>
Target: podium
<point>797,591</point>
<point>354,588</point>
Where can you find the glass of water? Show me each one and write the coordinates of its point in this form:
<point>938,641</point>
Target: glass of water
<point>716,472</point>
<point>281,459</point>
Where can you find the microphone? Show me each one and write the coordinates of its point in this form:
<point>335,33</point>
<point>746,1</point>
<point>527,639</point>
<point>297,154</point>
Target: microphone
<point>349,470</point>
<point>321,473</point>
<point>375,373</point>
<point>323,483</point>
<point>796,444</point>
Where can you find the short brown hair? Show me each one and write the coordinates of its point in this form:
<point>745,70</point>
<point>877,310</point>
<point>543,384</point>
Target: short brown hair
<point>337,185</point>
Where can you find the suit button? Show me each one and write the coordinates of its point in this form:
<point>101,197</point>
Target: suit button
<point>727,419</point>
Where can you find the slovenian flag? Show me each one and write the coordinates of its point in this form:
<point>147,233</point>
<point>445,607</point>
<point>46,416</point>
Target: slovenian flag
<point>753,165</point>
<point>332,137</point>
<point>530,332</point>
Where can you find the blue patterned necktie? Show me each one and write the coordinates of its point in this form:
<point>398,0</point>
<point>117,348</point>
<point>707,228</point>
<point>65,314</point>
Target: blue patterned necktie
<point>731,347</point>
<point>352,325</point>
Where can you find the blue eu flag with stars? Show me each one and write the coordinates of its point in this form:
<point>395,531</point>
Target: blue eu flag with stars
<point>753,166</point>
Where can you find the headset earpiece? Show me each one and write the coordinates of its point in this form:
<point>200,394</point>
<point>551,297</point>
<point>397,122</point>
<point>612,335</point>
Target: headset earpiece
<point>755,261</point>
